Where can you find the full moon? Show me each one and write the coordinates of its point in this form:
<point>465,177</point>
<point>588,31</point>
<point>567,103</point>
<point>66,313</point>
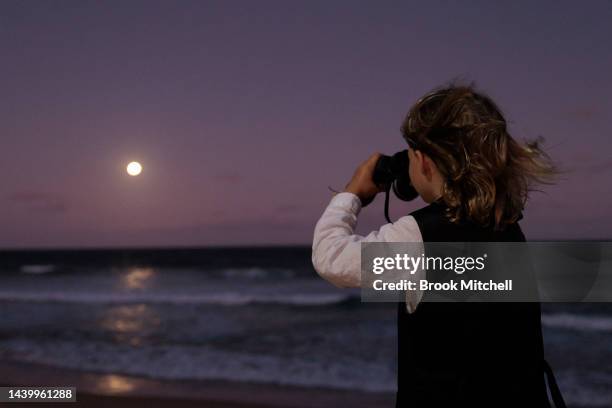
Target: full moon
<point>134,168</point>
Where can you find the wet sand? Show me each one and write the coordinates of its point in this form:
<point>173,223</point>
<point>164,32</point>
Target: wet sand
<point>118,391</point>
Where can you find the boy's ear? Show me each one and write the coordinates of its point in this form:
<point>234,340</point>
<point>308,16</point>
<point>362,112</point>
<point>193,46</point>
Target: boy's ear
<point>427,166</point>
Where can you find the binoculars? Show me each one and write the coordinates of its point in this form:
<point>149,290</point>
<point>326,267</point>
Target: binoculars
<point>392,172</point>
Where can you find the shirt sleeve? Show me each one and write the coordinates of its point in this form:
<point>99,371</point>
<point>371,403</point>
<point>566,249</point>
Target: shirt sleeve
<point>336,249</point>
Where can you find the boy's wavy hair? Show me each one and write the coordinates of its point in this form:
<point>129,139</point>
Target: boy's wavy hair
<point>488,174</point>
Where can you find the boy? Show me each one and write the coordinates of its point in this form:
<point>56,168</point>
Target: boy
<point>475,179</point>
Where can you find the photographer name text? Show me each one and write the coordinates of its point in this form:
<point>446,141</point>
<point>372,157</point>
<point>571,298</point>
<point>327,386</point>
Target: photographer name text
<point>452,285</point>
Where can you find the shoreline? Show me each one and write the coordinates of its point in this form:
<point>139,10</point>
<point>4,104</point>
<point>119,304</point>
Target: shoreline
<point>103,389</point>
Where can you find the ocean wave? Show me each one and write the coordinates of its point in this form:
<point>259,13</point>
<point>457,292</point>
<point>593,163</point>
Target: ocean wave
<point>577,322</point>
<point>242,272</point>
<point>185,362</point>
<point>225,299</point>
<point>37,269</point>
<point>255,273</point>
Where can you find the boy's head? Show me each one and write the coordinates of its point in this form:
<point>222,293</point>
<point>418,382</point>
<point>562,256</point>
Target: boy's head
<point>460,151</point>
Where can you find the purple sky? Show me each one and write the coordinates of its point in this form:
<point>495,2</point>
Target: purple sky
<point>242,113</point>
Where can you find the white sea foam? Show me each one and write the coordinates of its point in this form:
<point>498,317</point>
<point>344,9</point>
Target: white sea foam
<point>37,269</point>
<point>223,298</point>
<point>577,322</point>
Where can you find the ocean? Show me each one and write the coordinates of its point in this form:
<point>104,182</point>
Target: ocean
<point>257,314</point>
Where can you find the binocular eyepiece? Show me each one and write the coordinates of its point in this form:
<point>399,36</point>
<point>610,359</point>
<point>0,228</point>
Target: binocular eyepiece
<point>392,172</point>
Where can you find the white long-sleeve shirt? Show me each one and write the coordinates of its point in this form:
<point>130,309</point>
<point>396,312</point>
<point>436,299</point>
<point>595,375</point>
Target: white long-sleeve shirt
<point>336,249</point>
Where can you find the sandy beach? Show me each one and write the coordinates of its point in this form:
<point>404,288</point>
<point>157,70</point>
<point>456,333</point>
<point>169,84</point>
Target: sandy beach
<point>104,390</point>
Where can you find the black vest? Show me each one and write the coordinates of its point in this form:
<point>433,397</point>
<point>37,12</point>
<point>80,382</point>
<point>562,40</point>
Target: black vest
<point>469,354</point>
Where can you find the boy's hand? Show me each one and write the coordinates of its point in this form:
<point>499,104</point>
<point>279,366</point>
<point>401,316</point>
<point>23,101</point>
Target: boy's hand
<point>361,184</point>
